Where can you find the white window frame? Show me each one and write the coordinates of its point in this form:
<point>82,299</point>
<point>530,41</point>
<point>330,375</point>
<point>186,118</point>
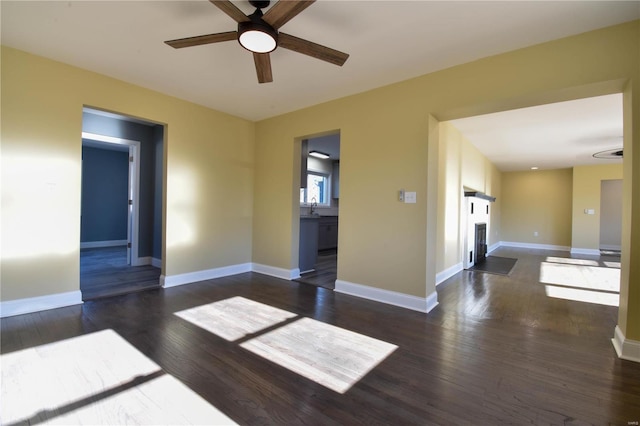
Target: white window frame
<point>327,176</point>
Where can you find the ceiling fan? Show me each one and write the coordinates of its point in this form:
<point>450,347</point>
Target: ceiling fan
<point>259,34</point>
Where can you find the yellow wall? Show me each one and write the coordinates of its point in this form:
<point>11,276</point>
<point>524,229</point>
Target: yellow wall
<point>209,195</point>
<point>537,201</point>
<point>586,195</point>
<point>385,145</point>
<point>227,203</point>
<point>462,166</point>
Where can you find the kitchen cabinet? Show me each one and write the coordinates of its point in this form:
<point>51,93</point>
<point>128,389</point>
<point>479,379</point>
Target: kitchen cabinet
<point>335,180</point>
<point>328,233</point>
<point>308,250</point>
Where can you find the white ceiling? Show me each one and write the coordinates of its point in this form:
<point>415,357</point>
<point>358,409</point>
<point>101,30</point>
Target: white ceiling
<point>389,41</point>
<point>553,136</point>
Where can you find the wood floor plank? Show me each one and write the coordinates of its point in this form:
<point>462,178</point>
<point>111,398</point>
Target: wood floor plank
<point>497,350</point>
<point>104,272</point>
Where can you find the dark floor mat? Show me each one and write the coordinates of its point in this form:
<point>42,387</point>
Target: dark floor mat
<point>495,265</point>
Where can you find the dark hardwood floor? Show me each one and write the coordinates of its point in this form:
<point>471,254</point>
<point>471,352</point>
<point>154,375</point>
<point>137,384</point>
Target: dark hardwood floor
<point>104,272</point>
<point>497,350</point>
<point>326,271</point>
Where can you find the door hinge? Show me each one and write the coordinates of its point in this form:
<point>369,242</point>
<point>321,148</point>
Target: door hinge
<point>130,159</point>
<point>128,245</point>
<point>130,202</point>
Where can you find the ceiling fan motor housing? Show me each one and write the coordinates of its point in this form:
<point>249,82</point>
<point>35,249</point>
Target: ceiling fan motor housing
<point>259,4</point>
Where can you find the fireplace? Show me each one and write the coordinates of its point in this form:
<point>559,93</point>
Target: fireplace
<point>481,243</point>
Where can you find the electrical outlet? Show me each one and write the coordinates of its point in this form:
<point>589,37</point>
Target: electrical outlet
<point>535,233</point>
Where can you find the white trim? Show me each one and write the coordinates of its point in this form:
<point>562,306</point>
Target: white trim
<point>432,301</point>
<point>143,261</point>
<point>610,247</point>
<point>626,348</point>
<point>133,223</point>
<point>39,303</point>
<point>494,247</point>
<point>285,274</point>
<point>387,296</point>
<point>448,273</point>
<point>148,260</point>
<point>586,252</point>
<point>534,246</point>
<point>100,244</point>
<point>209,274</point>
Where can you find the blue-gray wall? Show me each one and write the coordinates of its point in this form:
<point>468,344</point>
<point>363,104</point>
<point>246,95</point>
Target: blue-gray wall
<point>158,139</point>
<point>151,138</point>
<point>105,183</point>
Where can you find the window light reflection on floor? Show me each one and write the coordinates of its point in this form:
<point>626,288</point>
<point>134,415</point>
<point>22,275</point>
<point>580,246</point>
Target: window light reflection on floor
<point>572,261</point>
<point>98,378</point>
<point>585,277</point>
<point>331,356</point>
<point>235,318</point>
<point>581,283</point>
<point>580,295</point>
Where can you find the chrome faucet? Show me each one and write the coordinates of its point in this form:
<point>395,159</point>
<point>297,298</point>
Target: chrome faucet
<point>314,204</point>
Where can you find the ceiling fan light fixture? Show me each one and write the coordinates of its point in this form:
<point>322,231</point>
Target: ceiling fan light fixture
<point>257,37</point>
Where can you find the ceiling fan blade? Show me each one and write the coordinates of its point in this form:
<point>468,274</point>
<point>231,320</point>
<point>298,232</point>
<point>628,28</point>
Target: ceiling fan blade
<point>310,48</point>
<point>203,39</point>
<point>230,9</point>
<point>284,10</point>
<point>263,67</point>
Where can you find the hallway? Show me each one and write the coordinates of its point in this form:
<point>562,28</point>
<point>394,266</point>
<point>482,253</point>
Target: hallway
<point>104,272</point>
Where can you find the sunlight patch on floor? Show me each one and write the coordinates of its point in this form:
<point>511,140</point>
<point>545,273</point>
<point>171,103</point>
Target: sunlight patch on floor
<point>571,261</point>
<point>235,318</point>
<point>583,277</point>
<point>98,378</point>
<point>331,356</point>
<point>580,295</point>
<point>581,282</point>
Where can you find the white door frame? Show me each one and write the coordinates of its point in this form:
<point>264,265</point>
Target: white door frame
<point>134,190</point>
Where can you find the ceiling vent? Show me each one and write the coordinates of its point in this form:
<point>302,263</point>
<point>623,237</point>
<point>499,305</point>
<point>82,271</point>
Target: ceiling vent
<point>611,154</point>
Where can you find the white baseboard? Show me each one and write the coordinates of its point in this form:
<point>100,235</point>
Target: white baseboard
<point>148,260</point>
<point>626,348</point>
<point>40,303</point>
<point>610,247</point>
<point>494,247</point>
<point>285,274</point>
<point>534,246</point>
<point>387,296</point>
<point>448,273</point>
<point>586,252</point>
<point>209,274</point>
<point>99,244</point>
<point>432,301</point>
<point>143,261</point>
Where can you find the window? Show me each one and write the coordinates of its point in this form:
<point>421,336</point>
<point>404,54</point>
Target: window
<point>317,189</point>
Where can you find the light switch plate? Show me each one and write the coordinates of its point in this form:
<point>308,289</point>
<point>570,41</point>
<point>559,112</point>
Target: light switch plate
<point>410,197</point>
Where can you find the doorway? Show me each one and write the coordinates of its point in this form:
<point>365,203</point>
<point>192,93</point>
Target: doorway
<point>611,216</point>
<point>319,210</point>
<point>121,208</point>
